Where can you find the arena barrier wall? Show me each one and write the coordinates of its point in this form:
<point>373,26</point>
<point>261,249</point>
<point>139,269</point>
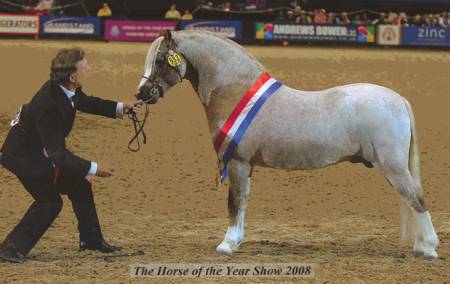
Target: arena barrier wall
<point>247,32</point>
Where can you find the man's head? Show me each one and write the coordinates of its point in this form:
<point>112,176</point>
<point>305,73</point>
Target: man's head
<point>69,67</point>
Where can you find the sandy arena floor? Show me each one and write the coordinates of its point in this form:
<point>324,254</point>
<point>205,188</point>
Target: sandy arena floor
<point>345,218</point>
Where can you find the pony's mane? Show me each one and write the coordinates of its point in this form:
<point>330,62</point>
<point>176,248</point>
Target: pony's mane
<point>225,40</point>
<point>151,56</point>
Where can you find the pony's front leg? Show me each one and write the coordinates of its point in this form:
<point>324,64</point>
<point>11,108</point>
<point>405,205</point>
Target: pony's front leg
<point>238,192</point>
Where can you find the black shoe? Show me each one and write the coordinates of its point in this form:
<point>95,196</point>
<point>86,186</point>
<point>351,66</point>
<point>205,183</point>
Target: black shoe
<point>8,253</point>
<point>102,246</point>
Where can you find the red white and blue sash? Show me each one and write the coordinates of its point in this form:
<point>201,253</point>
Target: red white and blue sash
<point>241,118</point>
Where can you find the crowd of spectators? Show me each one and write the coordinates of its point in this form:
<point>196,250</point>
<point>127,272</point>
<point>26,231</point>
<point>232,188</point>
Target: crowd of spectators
<point>320,16</point>
<point>174,14</point>
<point>424,20</point>
<point>293,14</point>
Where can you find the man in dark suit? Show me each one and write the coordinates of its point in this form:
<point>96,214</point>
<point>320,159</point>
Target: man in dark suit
<point>35,151</point>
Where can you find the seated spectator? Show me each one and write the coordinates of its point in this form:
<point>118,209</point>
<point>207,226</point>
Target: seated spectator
<point>381,20</point>
<point>303,18</point>
<point>255,4</point>
<point>42,8</point>
<point>209,5</point>
<point>281,17</point>
<point>426,21</point>
<point>434,20</point>
<point>403,19</point>
<point>345,20</point>
<point>226,6</point>
<point>443,20</point>
<point>332,19</point>
<point>393,19</point>
<point>104,11</point>
<point>187,15</point>
<point>297,10</point>
<point>357,20</point>
<point>417,22</point>
<point>365,19</point>
<point>320,16</point>
<point>173,13</point>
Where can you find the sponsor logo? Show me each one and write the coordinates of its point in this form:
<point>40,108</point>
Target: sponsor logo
<point>68,25</point>
<point>281,31</point>
<point>366,34</point>
<point>229,29</point>
<point>431,33</point>
<point>389,34</point>
<point>19,24</point>
<point>115,31</point>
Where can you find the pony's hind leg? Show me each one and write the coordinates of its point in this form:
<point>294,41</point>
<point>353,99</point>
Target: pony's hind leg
<point>238,192</point>
<point>425,238</point>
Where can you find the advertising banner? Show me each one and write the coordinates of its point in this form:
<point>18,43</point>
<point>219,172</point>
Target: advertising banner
<point>313,33</point>
<point>389,35</point>
<point>19,24</point>
<point>118,30</point>
<point>70,25</point>
<point>427,36</point>
<point>229,29</point>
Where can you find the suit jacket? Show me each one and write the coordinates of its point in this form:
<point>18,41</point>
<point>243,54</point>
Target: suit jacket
<point>45,122</point>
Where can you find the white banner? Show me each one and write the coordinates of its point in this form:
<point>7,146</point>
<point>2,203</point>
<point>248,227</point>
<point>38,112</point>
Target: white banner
<point>19,24</point>
<point>389,35</point>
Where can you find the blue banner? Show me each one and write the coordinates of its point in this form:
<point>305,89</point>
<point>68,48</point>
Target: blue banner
<point>229,29</point>
<point>427,36</point>
<point>70,25</point>
<point>313,33</point>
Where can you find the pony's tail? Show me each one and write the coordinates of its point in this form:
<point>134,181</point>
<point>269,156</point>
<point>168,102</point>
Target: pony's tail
<point>414,170</point>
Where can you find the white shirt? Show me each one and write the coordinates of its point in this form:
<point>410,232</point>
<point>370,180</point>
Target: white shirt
<point>119,114</point>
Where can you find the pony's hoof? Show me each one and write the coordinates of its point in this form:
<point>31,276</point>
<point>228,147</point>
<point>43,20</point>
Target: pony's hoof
<point>430,255</point>
<point>417,253</point>
<point>224,249</point>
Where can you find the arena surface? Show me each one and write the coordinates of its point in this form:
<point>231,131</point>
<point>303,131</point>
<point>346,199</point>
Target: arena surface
<point>162,200</point>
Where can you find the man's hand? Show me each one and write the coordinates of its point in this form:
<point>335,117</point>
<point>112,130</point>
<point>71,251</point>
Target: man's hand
<point>103,172</point>
<point>132,106</point>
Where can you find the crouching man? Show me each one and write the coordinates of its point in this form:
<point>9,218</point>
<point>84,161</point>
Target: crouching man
<point>35,151</point>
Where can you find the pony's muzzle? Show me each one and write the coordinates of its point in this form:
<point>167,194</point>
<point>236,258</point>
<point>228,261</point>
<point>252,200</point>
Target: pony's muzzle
<point>149,95</point>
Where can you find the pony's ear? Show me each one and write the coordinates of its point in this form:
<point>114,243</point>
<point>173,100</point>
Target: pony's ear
<point>168,37</point>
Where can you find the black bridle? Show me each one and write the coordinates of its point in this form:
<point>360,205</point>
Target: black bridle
<point>138,125</point>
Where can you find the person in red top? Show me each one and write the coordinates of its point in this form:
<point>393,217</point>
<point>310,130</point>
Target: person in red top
<point>320,17</point>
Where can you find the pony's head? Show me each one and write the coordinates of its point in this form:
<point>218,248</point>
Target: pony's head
<point>164,68</point>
